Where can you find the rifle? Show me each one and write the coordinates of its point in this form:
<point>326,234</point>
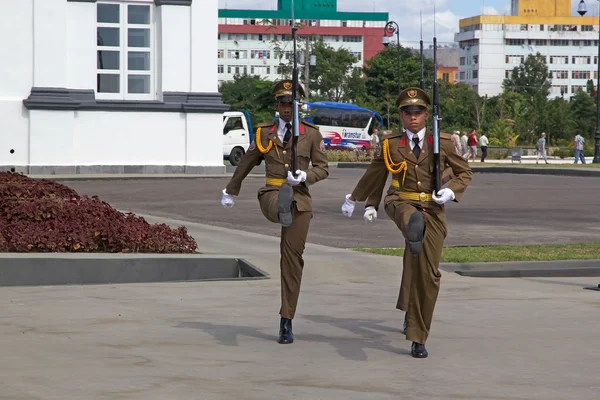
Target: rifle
<point>422,80</point>
<point>436,114</point>
<point>295,101</point>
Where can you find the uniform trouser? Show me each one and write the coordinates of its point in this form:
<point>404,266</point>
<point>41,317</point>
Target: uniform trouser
<point>420,275</point>
<point>293,240</point>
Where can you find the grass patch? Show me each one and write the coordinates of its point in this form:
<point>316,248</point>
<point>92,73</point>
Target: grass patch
<point>547,252</point>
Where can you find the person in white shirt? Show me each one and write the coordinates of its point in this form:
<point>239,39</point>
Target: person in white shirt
<point>579,149</point>
<point>456,140</point>
<point>464,146</point>
<point>541,150</point>
<point>483,143</point>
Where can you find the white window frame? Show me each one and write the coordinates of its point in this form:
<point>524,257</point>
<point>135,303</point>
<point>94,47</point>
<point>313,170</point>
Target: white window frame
<point>124,50</point>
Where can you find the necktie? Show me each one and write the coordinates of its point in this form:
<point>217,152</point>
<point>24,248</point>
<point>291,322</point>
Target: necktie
<point>288,133</point>
<point>416,149</point>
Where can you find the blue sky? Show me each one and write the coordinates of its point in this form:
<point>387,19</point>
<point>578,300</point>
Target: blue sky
<point>406,13</point>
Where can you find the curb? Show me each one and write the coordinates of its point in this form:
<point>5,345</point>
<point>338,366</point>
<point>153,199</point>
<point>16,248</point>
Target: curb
<point>49,269</point>
<point>124,177</point>
<point>506,170</point>
<point>526,269</point>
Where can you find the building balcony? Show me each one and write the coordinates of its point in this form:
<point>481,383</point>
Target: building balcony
<point>464,36</point>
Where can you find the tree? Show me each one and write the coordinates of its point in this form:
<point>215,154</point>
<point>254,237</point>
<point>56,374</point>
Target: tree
<point>590,87</point>
<point>530,79</point>
<point>558,122</point>
<point>460,107</point>
<point>584,114</point>
<point>250,93</point>
<point>381,71</point>
<point>381,83</point>
<point>333,77</point>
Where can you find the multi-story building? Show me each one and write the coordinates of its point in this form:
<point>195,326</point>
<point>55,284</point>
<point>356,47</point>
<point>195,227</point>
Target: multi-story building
<point>492,45</point>
<point>447,60</point>
<point>258,42</point>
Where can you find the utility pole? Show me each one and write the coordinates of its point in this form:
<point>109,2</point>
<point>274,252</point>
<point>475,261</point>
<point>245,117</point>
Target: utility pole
<point>306,67</point>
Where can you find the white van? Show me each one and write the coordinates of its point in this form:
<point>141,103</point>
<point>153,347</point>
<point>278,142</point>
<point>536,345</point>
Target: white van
<point>237,135</point>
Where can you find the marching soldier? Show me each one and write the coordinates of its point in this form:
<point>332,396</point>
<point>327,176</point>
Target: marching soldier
<point>285,198</point>
<point>412,204</point>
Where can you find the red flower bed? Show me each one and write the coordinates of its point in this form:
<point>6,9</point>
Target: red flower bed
<point>45,216</point>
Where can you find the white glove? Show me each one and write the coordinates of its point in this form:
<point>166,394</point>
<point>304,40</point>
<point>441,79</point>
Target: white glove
<point>445,195</point>
<point>370,214</point>
<point>348,207</point>
<point>227,200</point>
<point>299,179</point>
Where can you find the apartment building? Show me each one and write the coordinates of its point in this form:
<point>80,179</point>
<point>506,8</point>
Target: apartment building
<point>258,42</point>
<point>492,45</point>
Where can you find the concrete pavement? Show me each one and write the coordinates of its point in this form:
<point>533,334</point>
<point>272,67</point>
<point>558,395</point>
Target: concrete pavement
<point>491,339</point>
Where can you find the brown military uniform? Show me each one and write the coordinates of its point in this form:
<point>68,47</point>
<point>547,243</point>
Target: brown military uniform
<point>412,184</point>
<point>277,163</point>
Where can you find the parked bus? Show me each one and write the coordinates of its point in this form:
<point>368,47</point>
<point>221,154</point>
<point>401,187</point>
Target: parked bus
<point>344,126</point>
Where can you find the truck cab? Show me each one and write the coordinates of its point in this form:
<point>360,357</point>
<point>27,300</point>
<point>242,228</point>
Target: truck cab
<point>237,135</point>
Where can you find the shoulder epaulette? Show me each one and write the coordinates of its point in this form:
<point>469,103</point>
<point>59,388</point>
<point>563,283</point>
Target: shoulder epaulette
<point>265,124</point>
<point>387,134</point>
<point>309,124</point>
<point>446,136</point>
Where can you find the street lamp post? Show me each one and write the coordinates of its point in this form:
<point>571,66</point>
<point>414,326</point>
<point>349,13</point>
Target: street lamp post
<point>388,31</point>
<point>582,9</point>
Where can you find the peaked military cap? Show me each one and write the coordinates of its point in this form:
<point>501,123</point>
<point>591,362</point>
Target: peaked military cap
<point>283,91</point>
<point>413,99</point>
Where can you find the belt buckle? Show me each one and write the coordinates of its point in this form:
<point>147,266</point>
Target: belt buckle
<point>422,196</point>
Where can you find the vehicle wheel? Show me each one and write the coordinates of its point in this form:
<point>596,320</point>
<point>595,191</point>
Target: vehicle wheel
<point>236,156</point>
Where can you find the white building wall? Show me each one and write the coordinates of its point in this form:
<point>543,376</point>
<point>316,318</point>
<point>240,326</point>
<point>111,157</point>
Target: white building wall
<point>16,79</point>
<point>80,55</point>
<point>492,50</point>
<point>53,122</point>
<point>175,24</point>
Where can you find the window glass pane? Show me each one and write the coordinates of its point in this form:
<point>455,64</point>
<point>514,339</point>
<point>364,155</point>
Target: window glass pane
<point>108,37</point>
<point>138,37</point>
<point>108,83</point>
<point>138,61</point>
<point>138,14</point>
<point>108,13</point>
<point>138,84</point>
<point>108,60</point>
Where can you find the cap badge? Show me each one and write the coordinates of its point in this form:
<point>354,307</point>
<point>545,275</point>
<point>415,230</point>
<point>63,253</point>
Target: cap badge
<point>412,93</point>
<point>287,85</point>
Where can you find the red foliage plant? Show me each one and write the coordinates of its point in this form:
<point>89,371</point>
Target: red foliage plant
<point>46,216</point>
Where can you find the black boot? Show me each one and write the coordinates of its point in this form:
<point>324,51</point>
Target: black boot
<point>416,229</point>
<point>418,350</point>
<point>286,336</point>
<point>285,200</point>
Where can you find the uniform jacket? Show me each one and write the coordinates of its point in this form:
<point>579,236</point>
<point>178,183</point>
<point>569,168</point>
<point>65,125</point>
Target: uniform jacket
<point>278,161</point>
<point>419,173</point>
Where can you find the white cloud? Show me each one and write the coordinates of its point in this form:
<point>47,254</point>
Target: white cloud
<point>487,10</point>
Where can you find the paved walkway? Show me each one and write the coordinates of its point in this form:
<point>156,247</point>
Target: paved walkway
<point>492,338</point>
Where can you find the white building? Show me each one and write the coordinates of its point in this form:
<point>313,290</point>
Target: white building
<point>256,42</point>
<point>119,86</point>
<point>492,45</point>
<point>257,54</point>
